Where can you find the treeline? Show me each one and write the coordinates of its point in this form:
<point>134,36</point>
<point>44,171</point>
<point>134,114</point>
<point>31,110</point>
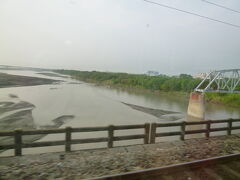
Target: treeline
<point>183,82</point>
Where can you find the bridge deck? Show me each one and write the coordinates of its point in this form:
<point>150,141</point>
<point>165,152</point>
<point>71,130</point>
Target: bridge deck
<point>102,162</point>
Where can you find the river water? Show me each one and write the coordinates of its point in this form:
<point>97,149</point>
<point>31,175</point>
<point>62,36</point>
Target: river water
<point>94,105</point>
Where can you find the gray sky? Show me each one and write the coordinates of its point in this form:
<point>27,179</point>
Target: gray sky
<point>119,35</point>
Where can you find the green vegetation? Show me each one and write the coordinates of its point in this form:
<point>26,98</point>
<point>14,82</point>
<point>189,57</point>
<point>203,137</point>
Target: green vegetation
<point>184,82</point>
<point>222,98</point>
<point>181,84</point>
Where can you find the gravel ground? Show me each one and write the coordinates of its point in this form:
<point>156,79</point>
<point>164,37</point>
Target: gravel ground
<point>94,163</point>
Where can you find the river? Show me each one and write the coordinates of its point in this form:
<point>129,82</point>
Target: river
<point>93,105</point>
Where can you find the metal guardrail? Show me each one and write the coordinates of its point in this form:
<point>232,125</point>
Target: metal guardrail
<point>18,143</point>
<point>184,132</point>
<point>149,136</point>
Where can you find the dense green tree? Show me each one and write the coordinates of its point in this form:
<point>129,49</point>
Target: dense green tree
<point>183,82</point>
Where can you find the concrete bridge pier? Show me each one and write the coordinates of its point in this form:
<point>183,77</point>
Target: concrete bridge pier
<point>196,106</point>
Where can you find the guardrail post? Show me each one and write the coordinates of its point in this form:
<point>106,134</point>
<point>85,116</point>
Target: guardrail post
<point>147,131</point>
<point>18,142</point>
<point>110,136</point>
<point>153,133</point>
<point>229,131</point>
<point>182,137</point>
<point>208,129</point>
<point>68,138</point>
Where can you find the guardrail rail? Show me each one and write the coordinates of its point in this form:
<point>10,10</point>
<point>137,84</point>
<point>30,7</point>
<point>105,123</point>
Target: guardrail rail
<point>149,136</point>
<point>18,133</point>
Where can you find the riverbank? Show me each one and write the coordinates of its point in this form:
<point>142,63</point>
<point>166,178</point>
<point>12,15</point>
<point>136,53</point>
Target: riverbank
<point>224,99</point>
<point>100,162</point>
<point>50,74</point>
<point>17,113</point>
<point>179,86</point>
<point>8,80</point>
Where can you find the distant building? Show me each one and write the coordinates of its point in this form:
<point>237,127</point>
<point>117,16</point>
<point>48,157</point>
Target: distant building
<point>200,75</point>
<point>152,73</point>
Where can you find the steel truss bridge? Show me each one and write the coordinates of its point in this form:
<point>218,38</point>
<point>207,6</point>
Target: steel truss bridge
<point>223,81</point>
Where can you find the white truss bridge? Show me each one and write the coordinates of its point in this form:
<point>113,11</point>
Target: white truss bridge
<point>223,81</point>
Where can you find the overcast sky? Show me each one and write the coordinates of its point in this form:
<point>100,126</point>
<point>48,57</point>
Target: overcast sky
<point>119,35</point>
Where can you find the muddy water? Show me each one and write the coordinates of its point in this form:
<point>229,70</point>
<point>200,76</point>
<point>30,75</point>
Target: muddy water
<point>97,106</point>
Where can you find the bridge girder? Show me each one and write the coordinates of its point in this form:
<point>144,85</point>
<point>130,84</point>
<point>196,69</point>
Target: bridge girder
<point>223,81</point>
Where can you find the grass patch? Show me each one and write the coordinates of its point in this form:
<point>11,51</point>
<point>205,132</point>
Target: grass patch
<point>224,98</point>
